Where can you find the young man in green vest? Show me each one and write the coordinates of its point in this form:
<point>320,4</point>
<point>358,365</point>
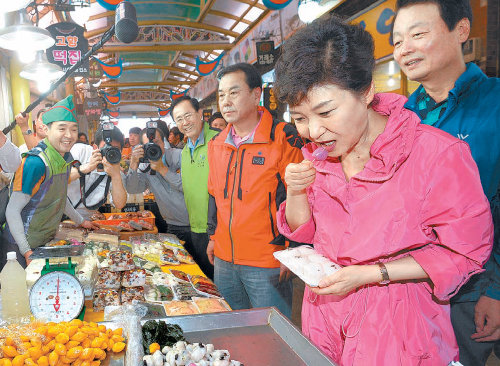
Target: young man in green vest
<point>38,192</point>
<point>194,167</point>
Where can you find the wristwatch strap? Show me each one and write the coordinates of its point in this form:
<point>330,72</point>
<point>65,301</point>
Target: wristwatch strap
<point>384,273</point>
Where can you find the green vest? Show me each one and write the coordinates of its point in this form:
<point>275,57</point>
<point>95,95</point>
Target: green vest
<point>43,213</point>
<point>194,172</point>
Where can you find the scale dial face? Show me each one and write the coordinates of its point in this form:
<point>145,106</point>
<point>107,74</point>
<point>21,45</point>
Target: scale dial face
<point>57,296</point>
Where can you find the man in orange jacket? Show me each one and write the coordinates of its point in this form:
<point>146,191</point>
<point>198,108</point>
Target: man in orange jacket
<point>247,163</point>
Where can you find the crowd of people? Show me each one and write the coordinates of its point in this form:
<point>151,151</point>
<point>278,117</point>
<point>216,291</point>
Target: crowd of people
<point>407,201</point>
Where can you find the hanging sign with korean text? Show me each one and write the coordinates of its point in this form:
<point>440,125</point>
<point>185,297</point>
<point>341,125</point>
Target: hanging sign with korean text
<point>70,47</point>
<point>93,108</point>
<point>265,53</point>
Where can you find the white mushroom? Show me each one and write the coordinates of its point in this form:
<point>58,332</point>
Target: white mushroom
<point>182,359</point>
<point>210,348</point>
<point>180,346</point>
<point>170,357</point>
<point>198,353</point>
<point>158,358</point>
<point>221,363</point>
<point>148,360</point>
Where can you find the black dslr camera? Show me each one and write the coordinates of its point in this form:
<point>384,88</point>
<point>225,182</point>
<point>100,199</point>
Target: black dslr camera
<point>152,151</point>
<point>111,153</point>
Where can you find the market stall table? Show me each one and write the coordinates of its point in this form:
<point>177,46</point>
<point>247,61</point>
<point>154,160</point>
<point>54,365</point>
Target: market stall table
<point>98,316</point>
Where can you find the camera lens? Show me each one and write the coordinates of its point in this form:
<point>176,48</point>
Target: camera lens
<point>113,155</point>
<point>152,152</point>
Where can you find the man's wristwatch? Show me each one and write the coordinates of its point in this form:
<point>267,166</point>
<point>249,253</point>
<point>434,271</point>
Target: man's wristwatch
<point>384,273</point>
<point>28,132</point>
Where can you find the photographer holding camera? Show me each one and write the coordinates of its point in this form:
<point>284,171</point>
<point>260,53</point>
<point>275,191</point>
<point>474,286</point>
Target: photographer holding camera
<point>162,177</point>
<point>97,172</point>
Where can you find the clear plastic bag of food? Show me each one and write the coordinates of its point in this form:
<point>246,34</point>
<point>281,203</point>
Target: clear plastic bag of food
<point>107,279</point>
<point>134,278</point>
<point>150,267</point>
<point>204,286</point>
<point>103,298</point>
<point>120,261</point>
<point>181,276</point>
<point>158,293</point>
<point>184,291</point>
<point>210,305</point>
<point>307,264</point>
<point>173,308</point>
<point>168,257</point>
<point>129,317</point>
<point>166,279</point>
<point>132,293</point>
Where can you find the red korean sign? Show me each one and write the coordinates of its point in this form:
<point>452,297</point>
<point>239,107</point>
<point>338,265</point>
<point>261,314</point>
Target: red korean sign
<point>70,47</point>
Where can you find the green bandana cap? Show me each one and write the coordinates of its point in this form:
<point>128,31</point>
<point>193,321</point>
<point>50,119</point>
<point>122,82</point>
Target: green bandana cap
<point>63,110</point>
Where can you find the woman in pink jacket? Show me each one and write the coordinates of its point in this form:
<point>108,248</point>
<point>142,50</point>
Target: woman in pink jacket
<point>398,204</point>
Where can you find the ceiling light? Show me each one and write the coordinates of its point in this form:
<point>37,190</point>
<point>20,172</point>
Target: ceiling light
<point>19,33</point>
<point>26,56</point>
<point>8,6</point>
<point>391,82</point>
<point>41,67</point>
<point>43,85</point>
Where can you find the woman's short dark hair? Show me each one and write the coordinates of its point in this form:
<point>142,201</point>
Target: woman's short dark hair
<point>451,11</point>
<point>252,76</point>
<point>194,102</point>
<point>327,51</point>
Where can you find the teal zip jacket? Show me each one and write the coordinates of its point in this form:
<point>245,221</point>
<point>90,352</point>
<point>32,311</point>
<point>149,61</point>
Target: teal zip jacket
<point>473,114</point>
<point>194,172</point>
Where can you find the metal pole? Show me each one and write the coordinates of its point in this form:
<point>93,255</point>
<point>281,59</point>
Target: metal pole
<point>105,37</point>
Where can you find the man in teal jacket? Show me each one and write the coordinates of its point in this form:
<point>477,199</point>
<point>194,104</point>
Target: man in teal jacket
<point>194,170</point>
<point>461,100</point>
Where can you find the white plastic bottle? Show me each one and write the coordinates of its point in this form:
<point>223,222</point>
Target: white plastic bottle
<point>15,300</point>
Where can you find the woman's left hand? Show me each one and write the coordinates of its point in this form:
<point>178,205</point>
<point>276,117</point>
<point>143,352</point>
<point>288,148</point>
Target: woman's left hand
<point>347,279</point>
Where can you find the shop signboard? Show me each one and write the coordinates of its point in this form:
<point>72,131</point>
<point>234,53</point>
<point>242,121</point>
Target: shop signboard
<point>93,108</point>
<point>95,71</point>
<point>207,113</point>
<point>271,103</point>
<point>265,53</point>
<point>69,48</point>
<point>378,22</point>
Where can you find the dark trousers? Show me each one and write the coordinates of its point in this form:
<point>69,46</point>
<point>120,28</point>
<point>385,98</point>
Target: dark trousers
<point>183,233</point>
<point>472,353</point>
<point>200,243</point>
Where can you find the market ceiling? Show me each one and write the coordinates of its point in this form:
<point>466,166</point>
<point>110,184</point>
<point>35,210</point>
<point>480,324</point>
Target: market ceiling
<point>172,35</point>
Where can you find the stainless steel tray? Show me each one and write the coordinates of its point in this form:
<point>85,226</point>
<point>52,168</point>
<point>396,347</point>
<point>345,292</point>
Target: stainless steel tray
<point>253,337</point>
<point>256,337</point>
<point>58,252</point>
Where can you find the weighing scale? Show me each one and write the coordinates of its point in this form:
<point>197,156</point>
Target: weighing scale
<point>58,295</point>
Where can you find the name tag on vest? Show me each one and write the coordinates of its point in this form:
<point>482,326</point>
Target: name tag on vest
<point>258,160</point>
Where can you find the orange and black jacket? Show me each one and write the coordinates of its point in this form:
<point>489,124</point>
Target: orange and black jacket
<point>246,187</point>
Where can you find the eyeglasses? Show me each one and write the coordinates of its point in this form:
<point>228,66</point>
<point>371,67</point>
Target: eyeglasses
<point>186,117</point>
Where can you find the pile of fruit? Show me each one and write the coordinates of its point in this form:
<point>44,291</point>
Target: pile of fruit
<point>75,343</point>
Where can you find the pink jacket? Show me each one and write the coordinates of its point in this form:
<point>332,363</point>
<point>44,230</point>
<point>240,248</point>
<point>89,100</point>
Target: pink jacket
<point>419,194</point>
